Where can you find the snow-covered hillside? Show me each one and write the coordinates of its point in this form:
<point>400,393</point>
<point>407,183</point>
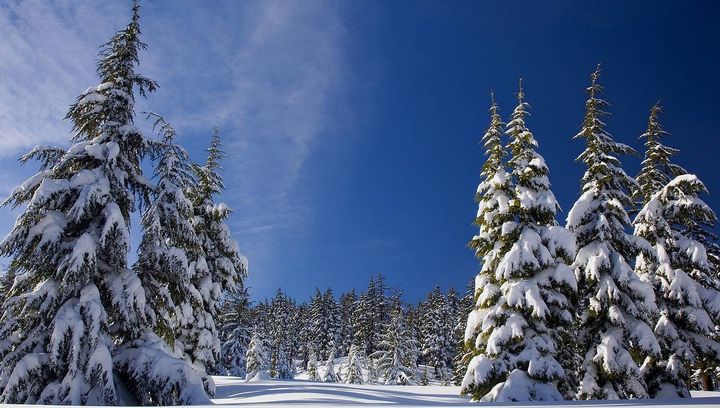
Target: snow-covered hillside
<point>235,391</point>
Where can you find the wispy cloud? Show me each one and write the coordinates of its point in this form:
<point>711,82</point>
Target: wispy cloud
<point>267,73</point>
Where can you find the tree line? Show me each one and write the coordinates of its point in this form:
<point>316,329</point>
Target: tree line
<point>377,336</point>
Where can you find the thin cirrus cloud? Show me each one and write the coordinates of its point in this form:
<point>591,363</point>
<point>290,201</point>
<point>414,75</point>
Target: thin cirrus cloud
<point>265,73</point>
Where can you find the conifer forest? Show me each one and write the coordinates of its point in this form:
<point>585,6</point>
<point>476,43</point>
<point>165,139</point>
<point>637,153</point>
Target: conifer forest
<point>125,280</point>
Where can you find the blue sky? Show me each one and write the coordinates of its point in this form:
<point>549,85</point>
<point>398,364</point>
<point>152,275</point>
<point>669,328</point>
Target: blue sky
<point>352,127</point>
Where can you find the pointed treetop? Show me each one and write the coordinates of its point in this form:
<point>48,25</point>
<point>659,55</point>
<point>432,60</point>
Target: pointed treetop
<point>521,92</point>
<point>656,170</point>
<point>215,151</point>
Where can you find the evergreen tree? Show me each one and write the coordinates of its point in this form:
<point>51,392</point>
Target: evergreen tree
<point>256,356</point>
<point>525,300</point>
<point>168,240</point>
<point>347,306</point>
<point>615,304</point>
<point>437,339</point>
<point>235,323</point>
<point>75,328</point>
<point>330,374</point>
<point>312,366</point>
<point>356,362</point>
<point>656,170</point>
<point>463,351</point>
<point>280,333</point>
<point>219,268</point>
<point>370,314</point>
<point>687,298</point>
<point>396,358</point>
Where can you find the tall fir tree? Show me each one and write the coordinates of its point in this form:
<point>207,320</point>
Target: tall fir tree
<point>235,333</point>
<point>355,365</point>
<point>526,301</point>
<point>687,297</point>
<point>169,239</point>
<point>256,358</point>
<point>76,327</point>
<point>656,169</point>
<point>396,357</point>
<point>219,268</point>
<point>347,306</point>
<point>615,304</point>
<point>681,272</point>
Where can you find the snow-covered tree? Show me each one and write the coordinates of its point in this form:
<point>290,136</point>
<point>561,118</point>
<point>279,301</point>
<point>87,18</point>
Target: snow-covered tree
<point>312,366</point>
<point>463,353</point>
<point>330,375</point>
<point>281,336</point>
<point>525,300</point>
<point>687,298</point>
<point>396,358</point>
<point>346,306</point>
<point>370,314</point>
<point>656,170</point>
<point>75,329</point>
<point>438,343</point>
<point>219,268</point>
<point>168,240</point>
<point>235,329</point>
<point>324,323</point>
<point>356,363</point>
<point>256,359</point>
<point>615,304</point>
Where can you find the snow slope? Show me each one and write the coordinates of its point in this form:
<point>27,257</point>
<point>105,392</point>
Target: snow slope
<point>236,392</point>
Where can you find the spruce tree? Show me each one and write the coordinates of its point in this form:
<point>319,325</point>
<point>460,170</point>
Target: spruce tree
<point>686,291</point>
<point>437,337</point>
<point>312,366</point>
<point>656,170</point>
<point>169,240</point>
<point>330,374</point>
<point>256,356</point>
<point>220,268</point>
<point>463,351</point>
<point>235,329</point>
<point>356,362</point>
<point>614,303</point>
<point>525,300</point>
<point>76,326</point>
<point>396,358</point>
<point>347,306</point>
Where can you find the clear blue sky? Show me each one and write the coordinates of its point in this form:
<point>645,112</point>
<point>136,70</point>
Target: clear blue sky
<point>352,127</point>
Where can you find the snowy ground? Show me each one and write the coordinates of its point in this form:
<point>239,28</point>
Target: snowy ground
<point>234,391</point>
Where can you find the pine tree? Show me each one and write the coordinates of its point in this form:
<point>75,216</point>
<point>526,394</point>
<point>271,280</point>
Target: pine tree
<point>330,374</point>
<point>347,306</point>
<point>356,362</point>
<point>656,170</point>
<point>75,327</point>
<point>312,366</point>
<point>615,304</point>
<point>219,268</point>
<point>256,356</point>
<point>525,300</point>
<point>437,340</point>
<point>235,324</point>
<point>370,314</point>
<point>463,351</point>
<point>280,336</point>
<point>396,358</point>
<point>168,240</point>
<point>687,297</point>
